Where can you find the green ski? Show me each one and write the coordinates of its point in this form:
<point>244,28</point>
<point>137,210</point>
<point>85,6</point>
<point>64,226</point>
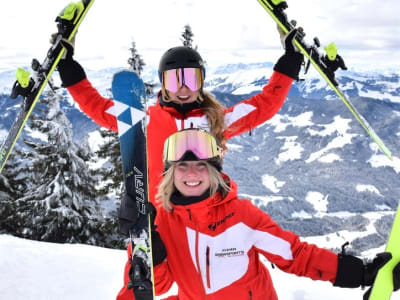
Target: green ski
<point>383,285</point>
<point>325,65</point>
<point>30,88</point>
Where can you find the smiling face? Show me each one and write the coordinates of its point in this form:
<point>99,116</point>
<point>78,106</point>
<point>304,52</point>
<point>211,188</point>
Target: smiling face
<point>184,95</point>
<point>191,178</point>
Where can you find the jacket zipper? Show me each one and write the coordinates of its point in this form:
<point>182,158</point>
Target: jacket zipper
<point>250,295</point>
<point>208,267</point>
<point>196,243</point>
<point>197,248</point>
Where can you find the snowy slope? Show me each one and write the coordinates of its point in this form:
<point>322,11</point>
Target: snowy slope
<point>43,271</point>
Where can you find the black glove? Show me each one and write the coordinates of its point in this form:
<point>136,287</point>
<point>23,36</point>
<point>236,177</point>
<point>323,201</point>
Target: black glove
<point>158,250</point>
<point>352,272</point>
<point>70,70</point>
<point>333,65</point>
<point>127,215</point>
<point>290,63</point>
<point>138,281</point>
<point>396,276</point>
<point>130,221</point>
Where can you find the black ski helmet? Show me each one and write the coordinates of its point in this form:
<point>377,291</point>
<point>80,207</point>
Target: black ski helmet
<point>181,57</point>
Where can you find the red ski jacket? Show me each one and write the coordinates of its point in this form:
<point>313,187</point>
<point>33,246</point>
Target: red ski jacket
<point>164,121</point>
<point>213,249</point>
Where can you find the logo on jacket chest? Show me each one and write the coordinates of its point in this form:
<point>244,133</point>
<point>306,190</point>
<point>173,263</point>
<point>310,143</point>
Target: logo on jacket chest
<point>229,252</point>
<point>213,226</point>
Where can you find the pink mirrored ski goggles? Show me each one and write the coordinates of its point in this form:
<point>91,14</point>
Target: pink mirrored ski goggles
<point>200,143</point>
<point>174,79</point>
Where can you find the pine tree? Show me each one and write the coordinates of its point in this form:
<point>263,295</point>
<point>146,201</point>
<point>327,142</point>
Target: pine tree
<point>135,61</point>
<point>12,186</point>
<point>6,197</point>
<point>8,178</point>
<point>187,37</point>
<point>60,202</point>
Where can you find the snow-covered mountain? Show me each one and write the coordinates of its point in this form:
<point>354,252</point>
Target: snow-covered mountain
<point>312,167</point>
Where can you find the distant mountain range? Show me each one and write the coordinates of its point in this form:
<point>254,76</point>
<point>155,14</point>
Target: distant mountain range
<point>312,167</point>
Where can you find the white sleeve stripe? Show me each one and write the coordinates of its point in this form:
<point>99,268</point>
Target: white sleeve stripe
<point>239,111</point>
<point>273,244</point>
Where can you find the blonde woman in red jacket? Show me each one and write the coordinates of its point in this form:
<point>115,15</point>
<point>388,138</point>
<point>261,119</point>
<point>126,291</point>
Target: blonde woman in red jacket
<point>208,241</point>
<point>181,103</point>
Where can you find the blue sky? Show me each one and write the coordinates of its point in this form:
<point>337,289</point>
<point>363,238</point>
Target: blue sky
<point>367,32</point>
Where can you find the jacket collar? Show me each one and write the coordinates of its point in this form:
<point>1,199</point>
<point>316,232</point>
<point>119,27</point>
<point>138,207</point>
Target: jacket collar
<point>180,111</point>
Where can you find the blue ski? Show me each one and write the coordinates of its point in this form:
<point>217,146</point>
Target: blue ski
<point>129,95</point>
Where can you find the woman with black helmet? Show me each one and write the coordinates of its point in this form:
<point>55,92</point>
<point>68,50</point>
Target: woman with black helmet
<point>182,103</point>
<point>209,242</point>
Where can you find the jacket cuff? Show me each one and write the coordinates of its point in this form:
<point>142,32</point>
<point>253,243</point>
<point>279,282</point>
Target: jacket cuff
<point>290,64</point>
<point>71,72</point>
<point>350,272</point>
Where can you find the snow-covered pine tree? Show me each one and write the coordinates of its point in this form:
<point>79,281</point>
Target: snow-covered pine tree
<point>110,173</point>
<point>12,186</point>
<point>136,64</point>
<point>135,61</point>
<point>187,36</point>
<point>7,194</point>
<point>9,180</point>
<point>6,190</point>
<point>60,202</point>
<point>6,200</point>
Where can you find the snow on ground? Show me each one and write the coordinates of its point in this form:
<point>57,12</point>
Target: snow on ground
<point>330,158</point>
<point>280,122</point>
<point>291,150</point>
<point>301,214</point>
<point>234,147</point>
<point>3,134</point>
<point>33,270</point>
<point>253,158</point>
<point>318,200</point>
<point>272,183</point>
<point>340,125</point>
<point>342,236</point>
<point>244,80</point>
<point>38,270</point>
<point>381,160</point>
<point>265,199</point>
<point>367,188</point>
<point>382,94</point>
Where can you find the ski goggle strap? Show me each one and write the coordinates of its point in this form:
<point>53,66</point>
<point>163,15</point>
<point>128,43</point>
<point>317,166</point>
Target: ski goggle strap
<point>173,79</point>
<point>200,143</point>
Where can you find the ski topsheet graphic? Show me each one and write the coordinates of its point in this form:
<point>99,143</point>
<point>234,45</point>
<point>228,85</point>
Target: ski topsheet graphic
<point>128,95</point>
<point>326,65</point>
<point>30,88</point>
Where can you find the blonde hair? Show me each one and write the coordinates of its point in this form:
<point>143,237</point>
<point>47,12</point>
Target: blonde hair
<point>167,186</point>
<point>214,112</point>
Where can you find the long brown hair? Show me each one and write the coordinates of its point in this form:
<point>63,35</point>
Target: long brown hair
<point>214,112</point>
